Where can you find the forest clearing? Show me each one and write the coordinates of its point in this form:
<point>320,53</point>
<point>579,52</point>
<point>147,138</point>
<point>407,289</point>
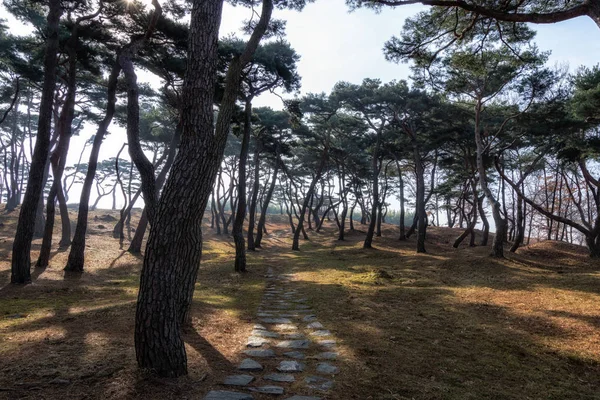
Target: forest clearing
<point>408,325</point>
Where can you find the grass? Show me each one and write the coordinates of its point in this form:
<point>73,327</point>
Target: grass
<point>449,324</point>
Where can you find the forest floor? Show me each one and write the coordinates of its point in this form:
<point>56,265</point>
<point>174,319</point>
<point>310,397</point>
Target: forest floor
<point>449,324</point>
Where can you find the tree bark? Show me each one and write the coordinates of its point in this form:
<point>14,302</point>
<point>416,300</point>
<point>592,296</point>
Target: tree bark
<point>21,261</point>
<point>265,207</point>
<point>253,201</point>
<point>238,224</point>
<point>174,246</point>
<point>77,254</point>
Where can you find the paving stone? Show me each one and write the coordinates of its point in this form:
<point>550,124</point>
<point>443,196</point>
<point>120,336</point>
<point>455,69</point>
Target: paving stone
<point>328,343</point>
<point>259,326</point>
<point>286,327</point>
<point>264,314</point>
<point>294,344</point>
<point>328,355</point>
<point>264,333</point>
<point>255,341</point>
<point>276,320</point>
<point>290,366</point>
<point>263,353</point>
<point>225,395</point>
<point>321,333</point>
<point>238,380</point>
<point>315,325</point>
<point>326,368</point>
<point>309,318</point>
<point>268,390</point>
<point>303,398</point>
<point>296,335</point>
<point>280,377</point>
<point>318,383</point>
<point>249,364</point>
<point>295,354</point>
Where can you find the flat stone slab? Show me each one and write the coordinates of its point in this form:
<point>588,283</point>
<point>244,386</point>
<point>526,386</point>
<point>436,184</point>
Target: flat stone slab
<point>296,335</point>
<point>259,326</point>
<point>263,353</point>
<point>225,395</point>
<point>238,380</point>
<point>264,334</point>
<point>315,325</point>
<point>328,343</point>
<point>295,354</point>
<point>286,327</point>
<point>321,333</point>
<point>328,355</point>
<point>328,369</point>
<point>268,390</point>
<point>318,383</point>
<point>255,341</point>
<point>294,344</point>
<point>250,365</point>
<point>276,320</point>
<point>303,398</point>
<point>264,314</point>
<point>280,377</point>
<point>309,318</point>
<point>290,366</point>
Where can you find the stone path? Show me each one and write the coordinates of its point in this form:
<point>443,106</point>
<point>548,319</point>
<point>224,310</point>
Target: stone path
<point>289,351</point>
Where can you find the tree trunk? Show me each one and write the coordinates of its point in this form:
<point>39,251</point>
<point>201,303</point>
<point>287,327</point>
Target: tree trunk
<point>77,254</point>
<point>240,215</point>
<point>486,223</point>
<point>174,246</point>
<point>309,193</point>
<point>498,245</point>
<point>519,226</point>
<point>21,261</point>
<point>265,208</point>
<point>253,201</point>
<point>135,247</point>
<point>375,167</point>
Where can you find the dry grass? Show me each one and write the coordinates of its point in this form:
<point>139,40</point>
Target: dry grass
<point>450,324</point>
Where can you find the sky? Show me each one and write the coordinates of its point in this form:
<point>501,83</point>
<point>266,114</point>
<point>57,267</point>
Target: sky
<point>338,45</point>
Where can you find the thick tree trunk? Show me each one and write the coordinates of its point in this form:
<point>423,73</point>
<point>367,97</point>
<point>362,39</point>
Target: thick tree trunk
<point>174,245</point>
<point>238,224</point>
<point>21,261</point>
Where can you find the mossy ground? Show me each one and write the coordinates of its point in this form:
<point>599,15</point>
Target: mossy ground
<point>449,324</point>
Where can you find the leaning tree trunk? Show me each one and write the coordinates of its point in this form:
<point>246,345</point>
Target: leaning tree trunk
<point>486,223</point>
<point>174,245</point>
<point>21,261</point>
<point>135,247</point>
<point>77,254</point>
<point>238,224</point>
<point>265,208</point>
<point>520,225</point>
<point>253,201</point>
<point>374,165</point>
<point>498,245</point>
<point>309,193</point>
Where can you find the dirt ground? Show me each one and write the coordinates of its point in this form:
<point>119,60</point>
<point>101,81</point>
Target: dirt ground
<point>449,324</point>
